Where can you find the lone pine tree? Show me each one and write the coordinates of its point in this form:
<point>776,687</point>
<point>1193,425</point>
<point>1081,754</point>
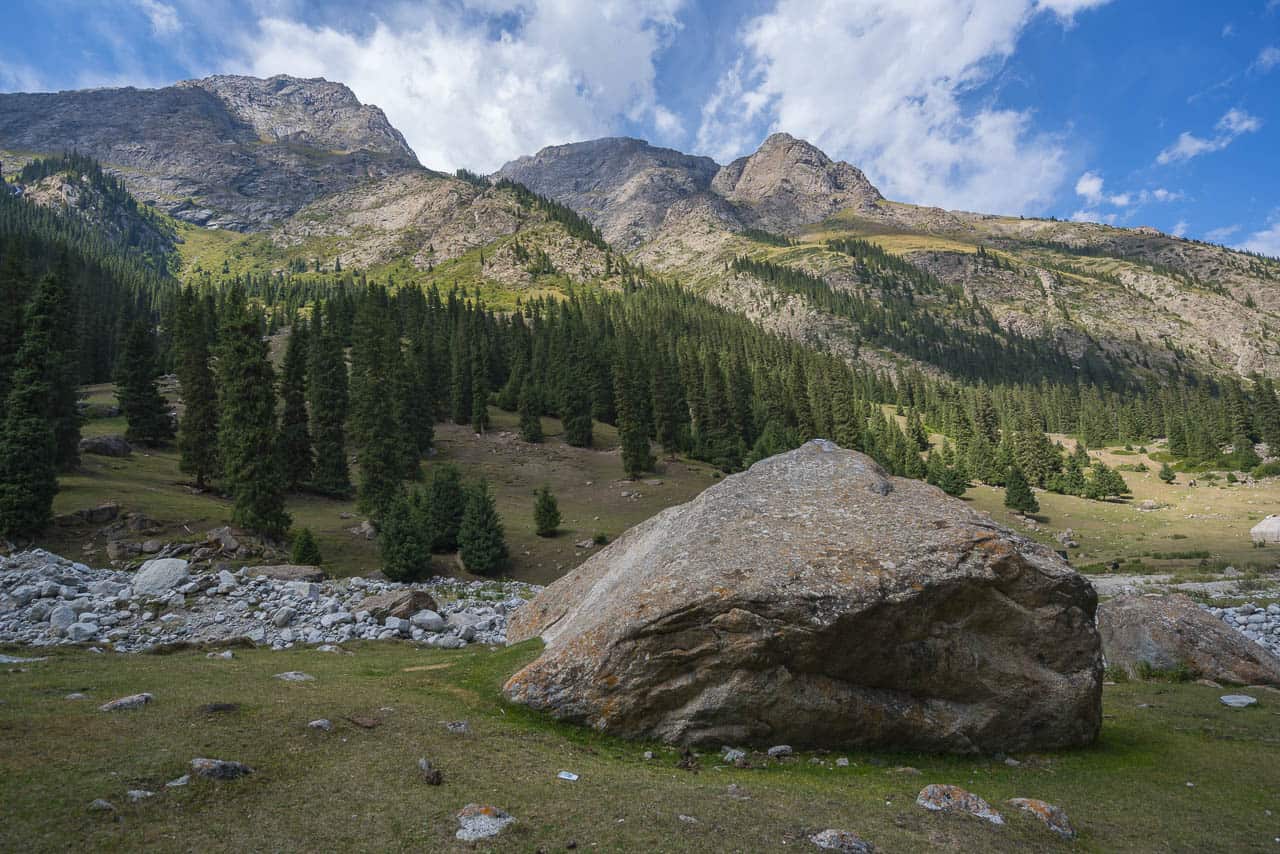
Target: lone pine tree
<point>144,408</point>
<point>198,428</point>
<point>481,541</point>
<point>546,513</point>
<point>247,432</point>
<point>295,434</point>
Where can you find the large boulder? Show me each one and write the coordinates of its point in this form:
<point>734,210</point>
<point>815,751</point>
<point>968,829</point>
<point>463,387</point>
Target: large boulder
<point>1266,531</point>
<point>815,601</point>
<point>159,577</point>
<point>401,604</point>
<point>1168,632</point>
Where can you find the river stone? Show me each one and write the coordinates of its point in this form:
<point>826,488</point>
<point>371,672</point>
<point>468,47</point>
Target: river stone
<point>816,600</point>
<point>106,446</point>
<point>158,577</point>
<point>1238,701</point>
<point>1166,632</point>
<point>219,769</point>
<point>133,701</point>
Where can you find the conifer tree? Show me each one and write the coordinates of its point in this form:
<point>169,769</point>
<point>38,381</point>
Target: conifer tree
<point>1167,474</point>
<point>481,541</point>
<point>480,388</point>
<point>460,383</point>
<point>327,391</point>
<point>1017,493</point>
<point>306,551</point>
<point>61,366</point>
<point>247,430</point>
<point>530,423</point>
<point>404,538</point>
<point>295,435</point>
<point>28,452</point>
<point>546,513</point>
<point>634,437</point>
<point>198,428</point>
<point>14,289</point>
<point>446,502</point>
<point>575,408</point>
<point>145,410</point>
<point>1106,482</point>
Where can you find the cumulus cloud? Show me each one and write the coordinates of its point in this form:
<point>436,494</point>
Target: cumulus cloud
<point>1233,124</point>
<point>1268,59</point>
<point>164,18</point>
<point>1220,235</point>
<point>1266,241</point>
<point>1180,228</point>
<point>1089,187</point>
<point>476,87</point>
<point>891,86</point>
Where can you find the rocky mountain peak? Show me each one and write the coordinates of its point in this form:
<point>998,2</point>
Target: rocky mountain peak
<point>789,182</point>
<point>624,185</point>
<point>311,111</point>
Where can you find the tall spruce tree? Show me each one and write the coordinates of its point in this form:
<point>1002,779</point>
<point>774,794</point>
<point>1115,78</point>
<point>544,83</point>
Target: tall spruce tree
<point>247,432</point>
<point>198,427</point>
<point>1017,493</point>
<point>327,391</point>
<point>632,431</point>
<point>530,423</point>
<point>145,410</point>
<point>295,434</point>
<point>446,503</point>
<point>63,368</point>
<point>546,513</point>
<point>28,452</point>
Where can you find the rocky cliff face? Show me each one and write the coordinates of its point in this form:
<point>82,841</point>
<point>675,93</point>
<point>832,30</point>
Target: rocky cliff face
<point>233,152</point>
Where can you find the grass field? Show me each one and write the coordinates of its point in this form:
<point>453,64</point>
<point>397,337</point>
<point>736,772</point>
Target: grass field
<point>1174,769</point>
<point>587,482</point>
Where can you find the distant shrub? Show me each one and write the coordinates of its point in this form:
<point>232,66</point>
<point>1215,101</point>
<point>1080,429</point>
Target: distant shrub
<point>306,552</point>
<point>1271,469</point>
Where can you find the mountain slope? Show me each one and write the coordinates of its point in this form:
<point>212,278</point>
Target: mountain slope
<point>1149,301</point>
<point>232,152</point>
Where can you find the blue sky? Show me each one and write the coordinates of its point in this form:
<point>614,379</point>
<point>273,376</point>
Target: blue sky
<point>1134,113</point>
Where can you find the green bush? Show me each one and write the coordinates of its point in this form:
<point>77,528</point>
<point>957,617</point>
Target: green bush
<point>306,552</point>
<point>1271,469</point>
<point>546,513</point>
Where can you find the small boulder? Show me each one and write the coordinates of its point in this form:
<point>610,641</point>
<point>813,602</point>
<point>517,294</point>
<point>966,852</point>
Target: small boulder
<point>1053,817</point>
<point>402,604</point>
<point>481,822</point>
<point>102,805</point>
<point>295,676</point>
<point>431,775</point>
<point>1166,632</point>
<point>133,701</point>
<point>842,841</point>
<point>159,577</point>
<point>943,798</point>
<point>322,724</point>
<point>428,621</point>
<point>779,751</point>
<point>1238,701</point>
<point>219,769</point>
<point>106,446</point>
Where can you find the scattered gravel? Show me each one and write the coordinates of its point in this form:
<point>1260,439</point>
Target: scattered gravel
<point>46,600</point>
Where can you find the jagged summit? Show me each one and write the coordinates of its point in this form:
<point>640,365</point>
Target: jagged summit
<point>236,152</point>
<point>627,186</point>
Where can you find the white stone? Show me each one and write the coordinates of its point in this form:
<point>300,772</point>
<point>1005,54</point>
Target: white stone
<point>158,577</point>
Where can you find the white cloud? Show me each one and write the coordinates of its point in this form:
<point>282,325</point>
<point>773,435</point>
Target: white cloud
<point>1220,235</point>
<point>1089,186</point>
<point>463,96</point>
<point>1160,194</point>
<point>889,86</point>
<point>1266,241</point>
<point>1233,123</point>
<point>1093,216</point>
<point>1228,30</point>
<point>1180,228</point>
<point>164,18</point>
<point>1268,59</point>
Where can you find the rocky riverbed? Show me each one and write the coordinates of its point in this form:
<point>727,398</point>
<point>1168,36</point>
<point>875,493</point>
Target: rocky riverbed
<point>1261,625</point>
<point>46,599</point>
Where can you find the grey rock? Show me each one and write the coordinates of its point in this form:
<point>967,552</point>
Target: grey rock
<point>780,750</point>
<point>158,577</point>
<point>1238,701</point>
<point>478,822</point>
<point>842,841</point>
<point>283,617</point>
<point>944,798</point>
<point>81,632</point>
<point>62,617</point>
<point>136,795</point>
<point>219,769</point>
<point>428,621</point>
<point>102,805</point>
<point>106,446</point>
<point>133,701</point>
<point>322,724</point>
<point>295,676</point>
<point>179,782</point>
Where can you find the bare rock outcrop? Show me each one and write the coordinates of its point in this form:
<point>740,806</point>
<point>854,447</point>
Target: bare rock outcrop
<point>1168,632</point>
<point>815,601</point>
